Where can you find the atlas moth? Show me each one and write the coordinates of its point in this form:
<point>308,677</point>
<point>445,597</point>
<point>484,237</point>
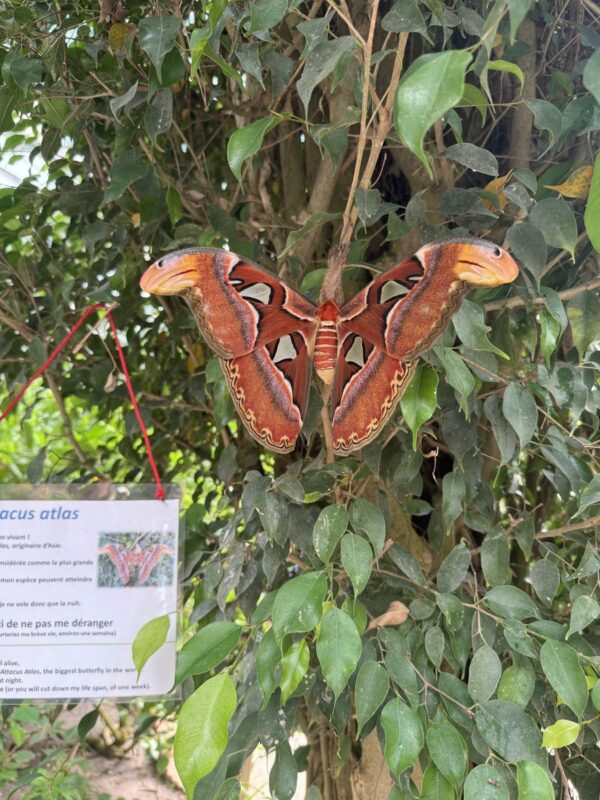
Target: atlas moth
<point>267,335</point>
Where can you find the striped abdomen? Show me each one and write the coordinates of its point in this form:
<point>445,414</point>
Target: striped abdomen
<point>326,344</point>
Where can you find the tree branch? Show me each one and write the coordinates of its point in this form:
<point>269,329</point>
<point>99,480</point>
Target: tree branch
<point>566,294</point>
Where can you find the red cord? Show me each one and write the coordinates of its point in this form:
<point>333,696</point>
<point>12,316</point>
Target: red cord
<point>160,493</point>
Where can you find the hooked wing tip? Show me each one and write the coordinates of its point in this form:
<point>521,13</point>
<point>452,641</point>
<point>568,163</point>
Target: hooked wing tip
<point>475,261</point>
<point>170,274</point>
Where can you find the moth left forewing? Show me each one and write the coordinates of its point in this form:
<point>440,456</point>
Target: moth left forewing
<point>270,389</point>
<point>367,386</point>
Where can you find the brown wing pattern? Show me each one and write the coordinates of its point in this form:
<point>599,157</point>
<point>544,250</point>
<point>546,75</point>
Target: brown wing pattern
<point>367,386</point>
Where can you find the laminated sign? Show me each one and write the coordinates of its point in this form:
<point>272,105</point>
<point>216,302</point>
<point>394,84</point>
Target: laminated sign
<point>88,591</point>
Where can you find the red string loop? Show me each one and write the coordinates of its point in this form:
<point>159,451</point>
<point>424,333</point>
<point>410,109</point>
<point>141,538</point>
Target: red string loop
<point>160,493</point>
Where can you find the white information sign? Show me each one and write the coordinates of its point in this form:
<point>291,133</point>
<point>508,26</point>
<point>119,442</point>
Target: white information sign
<point>78,579</point>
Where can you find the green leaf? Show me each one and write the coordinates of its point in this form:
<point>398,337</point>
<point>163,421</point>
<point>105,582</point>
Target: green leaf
<point>7,103</point>
<point>527,243</point>
<point>148,640</point>
<point>453,493</point>
<point>338,649</point>
<point>495,559</point>
<point>298,605</point>
<point>174,205</point>
<point>331,524</point>
<point>520,410</point>
<point>118,103</point>
<point>201,735</point>
<point>584,316</point>
<point>500,65</point>
<point>454,568</point>
<point>546,117</point>
<point>419,401</point>
<point>555,219</point>
<point>545,579</point>
<point>484,673</point>
<point>511,602</point>
<point>533,782</point>
<point>23,70</point>
<point>517,683</point>
<point>265,14</point>
<point>407,563</point>
<point>356,560</point>
<point>159,114</point>
<point>484,782</point>
<point>590,494</point>
<point>432,85</point>
<point>585,610</point>
<point>503,432</point>
<point>562,668</point>
<point>206,649</point>
<point>509,731</point>
<point>320,63</point>
<point>435,786</point>
<point>591,75</point>
<point>314,221</point>
<point>405,16</point>
<point>448,751</point>
<point>157,37</point>
<point>434,645</point>
<point>283,777</point>
<point>591,217</point>
<point>85,725</point>
<point>404,737</point>
<point>247,141</point>
<point>470,326</point>
<point>563,733</point>
<point>126,170</point>
<point>472,157</point>
<point>368,519</point>
<point>372,686</point>
<point>457,374</point>
<point>517,11</point>
<point>268,657</point>
<point>293,668</point>
<point>472,96</point>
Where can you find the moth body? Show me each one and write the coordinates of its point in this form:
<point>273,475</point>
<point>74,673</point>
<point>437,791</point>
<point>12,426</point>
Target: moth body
<point>327,341</point>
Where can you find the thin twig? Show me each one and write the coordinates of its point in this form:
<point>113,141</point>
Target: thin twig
<point>566,294</point>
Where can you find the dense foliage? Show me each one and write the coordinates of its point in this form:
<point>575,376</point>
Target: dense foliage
<point>298,133</point>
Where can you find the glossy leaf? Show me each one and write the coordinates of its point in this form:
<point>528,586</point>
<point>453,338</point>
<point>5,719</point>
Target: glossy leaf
<point>367,519</point>
<point>584,611</point>
<point>432,85</point>
<point>246,142</point>
<point>520,410</point>
<point>419,401</point>
<point>591,216</point>
<point>331,524</point>
<point>202,734</point>
<point>148,640</point>
<point>293,668</point>
<point>404,738</point>
<point>298,604</point>
<point>533,782</point>
<point>321,63</point>
<point>448,751</point>
<point>564,673</point>
<point>371,688</point>
<point>356,560</point>
<point>484,674</point>
<point>206,649</point>
<point>509,731</point>
<point>561,734</point>
<point>484,782</point>
<point>555,219</point>
<point>338,648</point>
<point>454,568</point>
<point>157,37</point>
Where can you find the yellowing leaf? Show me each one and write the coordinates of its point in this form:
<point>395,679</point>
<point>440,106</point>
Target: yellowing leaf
<point>577,184</point>
<point>119,34</point>
<point>562,733</point>
<point>136,219</point>
<point>496,187</point>
<point>196,358</point>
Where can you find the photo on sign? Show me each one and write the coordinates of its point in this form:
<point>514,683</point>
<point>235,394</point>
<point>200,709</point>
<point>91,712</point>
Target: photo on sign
<point>135,559</point>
